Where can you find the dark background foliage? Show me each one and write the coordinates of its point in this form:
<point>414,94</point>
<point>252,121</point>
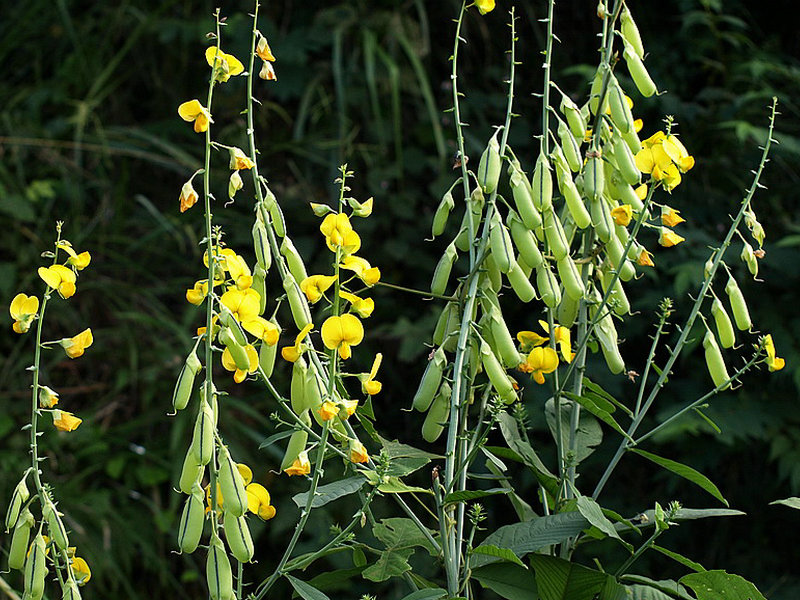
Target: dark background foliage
<point>89,134</point>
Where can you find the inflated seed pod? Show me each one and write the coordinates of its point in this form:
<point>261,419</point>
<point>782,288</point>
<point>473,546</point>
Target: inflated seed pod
<point>501,247</point>
<point>267,353</point>
<point>239,539</point>
<point>230,322</point>
<point>618,105</point>
<point>632,140</point>
<point>55,526</point>
<point>441,275</point>
<point>293,260</point>
<point>617,299</point>
<point>442,323</point>
<point>70,590</point>
<point>714,361</point>
<point>497,375</point>
<point>231,484</point>
<point>218,571</point>
<point>490,165</point>
<point>297,443</point>
<point>524,241</point>
<point>20,540</point>
<point>430,381</point>
<point>596,90</point>
<point>574,116</point>
<point>301,313</point>
<point>610,174</point>
<point>185,384</point>
<point>570,278</point>
<point>606,334</point>
<point>638,71</point>
<point>191,472</point>
<point>554,234</point>
<point>18,498</point>
<point>626,163</point>
<point>593,176</point>
<point>275,213</point>
<point>190,528</point>
<point>35,569</point>
<point>238,353</point>
<point>601,219</point>
<point>576,206</point>
<point>297,387</point>
<point>493,273</point>
<point>442,213</point>
<point>570,147</point>
<point>630,32</point>
<point>504,346</point>
<point>260,285</point>
<point>261,243</point>
<point>567,311</point>
<point>521,284</point>
<point>749,257</point>
<point>202,447</point>
<point>727,337</point>
<point>547,284</point>
<point>739,307</point>
<point>542,184</point>
<point>313,390</point>
<point>628,196</point>
<point>627,271</point>
<point>434,422</point>
<point>523,199</point>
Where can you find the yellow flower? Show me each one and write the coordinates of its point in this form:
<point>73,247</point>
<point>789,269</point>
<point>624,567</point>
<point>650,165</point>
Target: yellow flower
<point>235,183</point>
<point>79,261</point>
<point>358,453</point>
<point>641,191</point>
<point>664,158</point>
<point>75,346</point>
<point>328,410</point>
<point>484,6</point>
<point>80,570</point>
<point>59,278</point>
<point>23,310</point>
<point>645,259</point>
<point>263,50</point>
<point>340,333</point>
<point>363,306</point>
<point>226,65</point>
<point>315,286</point>
<point>267,72</point>
<point>194,111</point>
<point>670,217</point>
<point>237,268</point>
<point>774,362</point>
<point>530,339</point>
<point>196,294</point>
<point>300,466</point>
<point>339,233</point>
<point>230,365</point>
<point>622,215</point>
<point>669,238</point>
<point>264,330</point>
<point>369,385</point>
<point>258,501</point>
<point>48,398</point>
<point>292,353</point>
<point>540,362</point>
<point>239,160</point>
<point>349,407</point>
<point>188,197</point>
<point>65,421</point>
<point>244,304</point>
<point>637,124</point>
<point>363,270</point>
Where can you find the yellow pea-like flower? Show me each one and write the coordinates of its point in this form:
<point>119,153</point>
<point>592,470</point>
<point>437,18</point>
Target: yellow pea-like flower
<point>370,385</point>
<point>240,160</point>
<point>774,362</point>
<point>292,353</point>
<point>622,215</point>
<point>485,6</point>
<point>79,261</point>
<point>358,453</point>
<point>188,197</point>
<point>300,466</point>
<point>328,410</point>
<point>263,50</point>
<point>340,333</point>
<point>669,238</point>
<point>315,286</point>
<point>339,233</point>
<point>670,217</point>
<point>267,331</point>
<point>361,267</point>
<point>540,362</point>
<point>75,346</point>
<point>259,502</point>
<point>23,310</point>
<point>363,306</point>
<point>60,278</point>
<point>194,111</point>
<point>65,421</point>
<point>80,570</point>
<point>48,397</point>
<point>226,65</point>
<point>239,375</point>
<point>645,259</point>
<point>244,304</point>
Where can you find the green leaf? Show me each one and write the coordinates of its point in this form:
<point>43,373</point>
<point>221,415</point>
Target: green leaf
<point>594,391</point>
<point>397,450</point>
<point>335,580</point>
<point>559,579</point>
<point>502,553</point>
<point>390,564</point>
<point>719,585</point>
<point>510,431</point>
<point>332,491</point>
<point>399,532</point>
<point>522,508</point>
<point>530,536</point>
<point>588,436</point>
<point>684,471</point>
<point>507,581</point>
<point>663,589</point>
<point>602,414</point>
<point>275,437</point>
<point>395,486</point>
<point>686,562</point>
<point>594,514</point>
<point>793,502</point>
<point>467,495</point>
<point>428,594</point>
<point>306,591</point>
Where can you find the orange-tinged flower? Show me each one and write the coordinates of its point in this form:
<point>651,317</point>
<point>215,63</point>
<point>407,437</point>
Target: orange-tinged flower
<point>267,72</point>
<point>340,333</point>
<point>370,385</point>
<point>670,217</point>
<point>188,197</point>
<point>293,353</point>
<point>194,111</point>
<point>59,278</point>
<point>328,410</point>
<point>358,453</point>
<point>239,160</point>
<point>300,466</point>
<point>669,238</point>
<point>622,215</point>
<point>48,397</point>
<point>263,50</point>
<point>363,270</point>
<point>541,361</point>
<point>75,346</point>
<point>65,421</point>
<point>645,259</point>
<point>23,310</point>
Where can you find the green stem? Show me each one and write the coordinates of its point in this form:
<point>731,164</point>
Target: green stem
<point>427,294</point>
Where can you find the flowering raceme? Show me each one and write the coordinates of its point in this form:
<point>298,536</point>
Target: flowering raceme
<point>664,157</point>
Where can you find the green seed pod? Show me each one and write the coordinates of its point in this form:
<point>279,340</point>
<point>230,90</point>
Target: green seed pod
<point>630,32</point>
<point>638,71</point>
<point>297,443</point>
<point>443,323</point>
<point>183,387</point>
<point>227,319</point>
<point>617,299</point>
<point>453,330</point>
<point>739,307</point>
<point>237,351</point>
<point>596,90</point>
<point>442,213</point>
<point>293,260</point>
<point>239,539</point>
<point>218,571</point>
<point>70,590</point>
<point>35,570</point>
<point>559,161</point>
<point>231,484</point>
<point>297,389</point>
<point>260,285</point>
<point>749,257</point>
<point>568,311</point>
<point>632,140</point>
<point>55,526</point>
<point>301,313</point>
<point>261,243</point>
<point>626,163</point>
<point>441,275</point>
<point>18,498</point>
<point>620,111</point>
<point>554,233</point>
<point>628,196</point>
<point>610,175</point>
<point>576,206</point>
<point>548,286</point>
<point>202,447</point>
<point>493,273</point>
<point>501,246</point>
<point>627,271</point>
<point>524,240</point>
<point>436,418</point>
<point>313,390</point>
<point>523,200</point>
<point>601,219</point>
<point>20,540</point>
<point>521,284</point>
<point>542,185</point>
<point>715,362</point>
<point>275,213</point>
<point>570,146</point>
<point>191,472</point>
<point>570,278</point>
<point>593,176</point>
<point>497,375</point>
<point>575,117</point>
<point>267,354</point>
<point>193,517</point>
<point>490,165</point>
<point>727,336</point>
<point>615,251</point>
<point>606,334</point>
<point>505,347</point>
<point>430,381</point>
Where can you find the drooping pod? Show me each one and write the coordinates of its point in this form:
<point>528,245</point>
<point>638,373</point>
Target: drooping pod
<point>570,278</point>
<point>593,176</point>
<point>524,240</point>
<point>20,540</point>
<point>18,498</point>
<point>301,313</point>
<point>597,89</point>
<point>313,390</point>
<point>632,140</point>
<point>231,484</point>
<point>523,199</point>
<point>617,298</point>
<point>297,386</point>
<point>55,526</point>
<point>438,410</point>
<point>567,311</point>
<point>570,146</point>
<point>630,32</point>
<point>218,571</point>
<point>230,322</point>
<point>727,336</point>
<point>70,589</point>
<point>441,275</point>
<point>542,184</point>
<point>267,353</point>
<point>297,443</point>
<point>574,116</point>
<point>185,384</point>
<point>741,315</point>
<point>443,324</point>
<point>239,539</point>
<point>190,528</point>
<point>475,205</point>
<point>504,344</point>
<point>748,256</point>
<point>638,71</point>
<point>293,260</point>
<point>629,196</point>
<point>554,234</point>
<point>192,471</point>
<point>714,361</point>
<point>547,284</point>
<point>497,375</point>
<point>500,245</point>
<point>575,204</point>
<point>35,570</point>
<point>521,284</point>
<point>601,219</point>
<point>260,285</point>
<point>237,350</point>
<point>202,447</point>
<point>430,381</point>
<point>490,166</point>
<point>606,334</point>
<point>626,163</point>
<point>442,213</point>
<point>493,275</point>
<point>618,105</point>
<point>261,243</point>
<point>275,213</point>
